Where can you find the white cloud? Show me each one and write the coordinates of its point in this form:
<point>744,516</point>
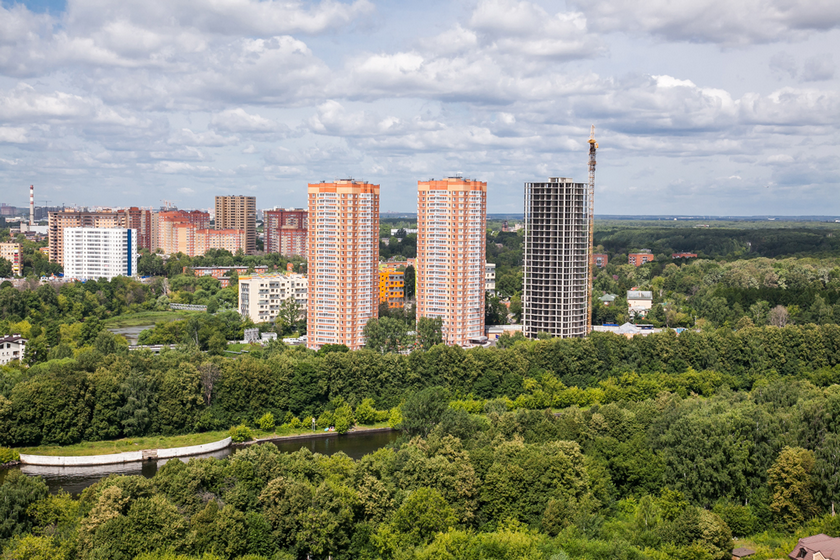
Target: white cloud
<point>13,135</point>
<point>210,138</point>
<point>715,21</point>
<point>238,120</point>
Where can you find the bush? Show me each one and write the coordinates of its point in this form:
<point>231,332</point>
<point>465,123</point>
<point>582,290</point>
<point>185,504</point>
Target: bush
<point>343,419</point>
<point>241,433</point>
<point>8,455</point>
<point>366,412</point>
<point>326,419</point>
<point>266,423</point>
<point>395,418</point>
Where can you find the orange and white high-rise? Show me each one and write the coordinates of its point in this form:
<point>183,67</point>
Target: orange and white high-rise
<point>343,262</point>
<point>451,224</point>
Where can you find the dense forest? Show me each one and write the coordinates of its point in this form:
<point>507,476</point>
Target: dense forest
<point>654,466</point>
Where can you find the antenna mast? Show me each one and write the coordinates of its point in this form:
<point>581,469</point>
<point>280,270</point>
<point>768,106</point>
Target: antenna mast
<point>593,145</point>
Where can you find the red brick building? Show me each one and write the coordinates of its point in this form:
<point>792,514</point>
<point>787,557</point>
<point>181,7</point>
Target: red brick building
<point>683,255</point>
<point>600,260</point>
<point>141,220</point>
<point>286,231</point>
<point>638,259</point>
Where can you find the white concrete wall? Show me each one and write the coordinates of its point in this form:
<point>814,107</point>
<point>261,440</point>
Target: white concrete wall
<point>119,458</point>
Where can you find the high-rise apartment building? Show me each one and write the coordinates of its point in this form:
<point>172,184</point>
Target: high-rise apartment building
<point>141,219</point>
<point>556,271</point>
<point>232,240</point>
<point>13,253</point>
<point>238,212</point>
<point>286,231</point>
<point>343,262</point>
<point>93,253</point>
<point>451,224</point>
<point>177,230</point>
<point>59,221</point>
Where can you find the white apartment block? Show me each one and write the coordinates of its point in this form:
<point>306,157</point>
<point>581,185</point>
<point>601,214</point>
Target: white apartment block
<point>12,348</point>
<point>260,295</point>
<point>343,262</point>
<point>94,253</point>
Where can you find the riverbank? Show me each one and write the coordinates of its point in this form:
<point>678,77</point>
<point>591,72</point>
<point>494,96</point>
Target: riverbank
<point>167,442</point>
<point>358,430</point>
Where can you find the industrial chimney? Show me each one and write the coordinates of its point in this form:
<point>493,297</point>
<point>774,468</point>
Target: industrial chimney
<point>31,205</point>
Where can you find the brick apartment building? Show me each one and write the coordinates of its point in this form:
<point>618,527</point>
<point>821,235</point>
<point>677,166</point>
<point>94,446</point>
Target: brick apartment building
<point>451,224</point>
<point>286,231</point>
<point>343,262</point>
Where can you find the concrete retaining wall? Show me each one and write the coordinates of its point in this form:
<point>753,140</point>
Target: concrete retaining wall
<point>127,457</point>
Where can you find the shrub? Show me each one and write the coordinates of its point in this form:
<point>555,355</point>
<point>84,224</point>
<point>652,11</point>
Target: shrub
<point>395,418</point>
<point>366,412</point>
<point>241,433</point>
<point>266,423</point>
<point>343,418</point>
<point>8,455</point>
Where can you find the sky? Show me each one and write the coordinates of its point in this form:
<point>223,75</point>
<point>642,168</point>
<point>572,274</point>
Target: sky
<point>715,107</point>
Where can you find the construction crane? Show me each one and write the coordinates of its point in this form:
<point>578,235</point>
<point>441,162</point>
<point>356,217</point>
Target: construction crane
<point>593,146</point>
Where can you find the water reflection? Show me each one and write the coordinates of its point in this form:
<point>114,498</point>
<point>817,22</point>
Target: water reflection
<point>76,479</point>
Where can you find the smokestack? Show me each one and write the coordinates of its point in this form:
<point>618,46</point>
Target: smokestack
<point>31,205</point>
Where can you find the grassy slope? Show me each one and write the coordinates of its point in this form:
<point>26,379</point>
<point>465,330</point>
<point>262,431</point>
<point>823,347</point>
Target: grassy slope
<point>146,318</point>
<point>158,442</point>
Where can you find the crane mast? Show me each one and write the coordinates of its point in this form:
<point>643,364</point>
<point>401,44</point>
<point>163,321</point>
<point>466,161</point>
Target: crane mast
<point>593,146</point>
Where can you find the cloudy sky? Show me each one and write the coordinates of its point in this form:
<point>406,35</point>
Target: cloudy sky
<point>700,106</point>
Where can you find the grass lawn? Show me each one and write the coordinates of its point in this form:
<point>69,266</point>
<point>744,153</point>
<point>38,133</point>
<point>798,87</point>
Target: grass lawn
<point>127,444</point>
<point>162,442</point>
<point>238,347</point>
<point>146,318</point>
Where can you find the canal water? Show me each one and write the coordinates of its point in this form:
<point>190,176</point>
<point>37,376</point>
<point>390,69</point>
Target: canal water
<point>76,479</point>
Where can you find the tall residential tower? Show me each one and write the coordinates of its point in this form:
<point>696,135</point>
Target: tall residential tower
<point>556,271</point>
<point>343,263</point>
<point>451,224</point>
<point>239,212</point>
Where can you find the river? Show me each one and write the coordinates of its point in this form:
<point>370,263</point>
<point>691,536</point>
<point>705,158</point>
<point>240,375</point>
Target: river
<point>76,479</point>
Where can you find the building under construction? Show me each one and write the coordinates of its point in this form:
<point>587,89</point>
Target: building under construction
<point>556,271</point>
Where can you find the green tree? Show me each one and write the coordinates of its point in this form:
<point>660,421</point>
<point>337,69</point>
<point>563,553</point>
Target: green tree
<point>429,332</point>
<point>424,410</point>
<point>290,318</point>
<point>495,312</point>
<point>17,493</point>
<point>791,483</point>
<point>409,278</point>
<point>387,335</point>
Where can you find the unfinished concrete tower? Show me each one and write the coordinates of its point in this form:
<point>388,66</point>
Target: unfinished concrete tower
<point>556,271</point>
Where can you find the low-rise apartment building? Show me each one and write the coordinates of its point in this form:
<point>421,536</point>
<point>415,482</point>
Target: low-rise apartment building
<point>391,286</point>
<point>260,295</point>
<point>639,302</point>
<point>600,260</point>
<point>12,348</point>
<point>12,252</point>
<point>638,259</point>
